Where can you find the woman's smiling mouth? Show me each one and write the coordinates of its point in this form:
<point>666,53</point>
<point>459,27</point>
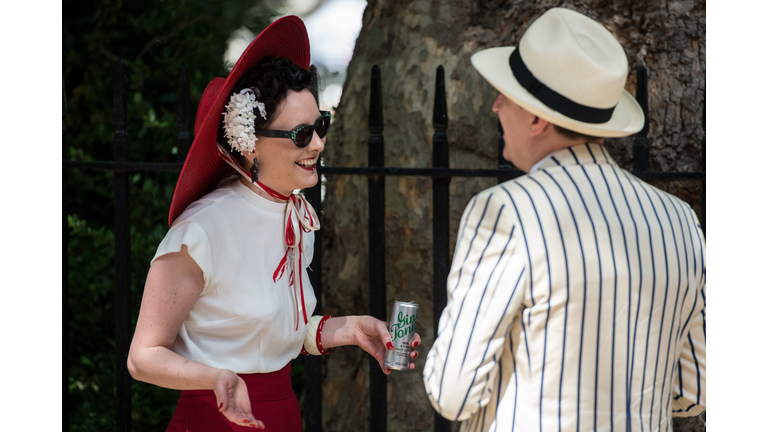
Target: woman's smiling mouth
<point>307,164</point>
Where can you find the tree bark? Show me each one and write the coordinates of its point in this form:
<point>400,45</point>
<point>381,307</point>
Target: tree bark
<point>409,39</point>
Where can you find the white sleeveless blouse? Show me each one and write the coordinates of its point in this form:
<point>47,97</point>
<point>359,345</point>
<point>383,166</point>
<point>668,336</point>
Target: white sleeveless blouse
<point>243,320</point>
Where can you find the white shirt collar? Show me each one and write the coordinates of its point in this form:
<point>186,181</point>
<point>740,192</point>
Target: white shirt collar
<point>538,164</point>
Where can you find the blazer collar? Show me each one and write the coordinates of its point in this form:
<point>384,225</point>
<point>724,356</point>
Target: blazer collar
<point>582,154</point>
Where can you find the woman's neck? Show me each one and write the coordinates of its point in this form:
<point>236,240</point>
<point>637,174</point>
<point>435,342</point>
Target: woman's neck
<point>259,191</point>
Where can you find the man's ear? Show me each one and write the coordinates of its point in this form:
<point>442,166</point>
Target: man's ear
<point>538,126</point>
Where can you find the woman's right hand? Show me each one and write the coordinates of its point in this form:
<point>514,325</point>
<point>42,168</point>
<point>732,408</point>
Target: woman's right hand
<point>233,401</point>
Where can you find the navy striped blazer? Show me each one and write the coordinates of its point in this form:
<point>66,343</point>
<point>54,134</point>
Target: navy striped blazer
<point>576,302</point>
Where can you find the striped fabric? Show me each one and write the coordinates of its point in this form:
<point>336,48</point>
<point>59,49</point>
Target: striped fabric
<point>576,302</point>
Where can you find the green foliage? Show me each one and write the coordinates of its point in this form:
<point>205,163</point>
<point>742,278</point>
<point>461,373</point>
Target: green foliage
<point>153,39</point>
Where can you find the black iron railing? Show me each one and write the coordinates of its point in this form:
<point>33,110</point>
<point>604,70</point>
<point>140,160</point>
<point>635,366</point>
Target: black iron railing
<point>441,175</point>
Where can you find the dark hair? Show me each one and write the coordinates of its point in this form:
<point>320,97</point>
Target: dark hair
<point>574,135</point>
<point>271,79</point>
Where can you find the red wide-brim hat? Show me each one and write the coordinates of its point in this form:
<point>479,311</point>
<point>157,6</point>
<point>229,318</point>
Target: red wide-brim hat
<point>204,169</point>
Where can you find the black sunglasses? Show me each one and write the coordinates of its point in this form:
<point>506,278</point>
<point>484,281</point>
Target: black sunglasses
<point>302,135</point>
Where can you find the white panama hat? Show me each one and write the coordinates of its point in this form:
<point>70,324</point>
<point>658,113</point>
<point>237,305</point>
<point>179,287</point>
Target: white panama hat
<point>569,70</point>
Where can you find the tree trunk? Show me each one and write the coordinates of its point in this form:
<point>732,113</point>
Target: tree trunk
<point>409,39</point>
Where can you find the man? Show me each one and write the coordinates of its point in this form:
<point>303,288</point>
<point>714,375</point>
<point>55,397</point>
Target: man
<point>576,297</point>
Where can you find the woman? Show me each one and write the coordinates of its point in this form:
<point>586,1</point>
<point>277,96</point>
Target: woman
<point>227,302</point>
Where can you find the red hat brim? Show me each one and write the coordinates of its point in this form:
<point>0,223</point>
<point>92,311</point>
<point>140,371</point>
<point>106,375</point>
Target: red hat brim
<point>203,169</point>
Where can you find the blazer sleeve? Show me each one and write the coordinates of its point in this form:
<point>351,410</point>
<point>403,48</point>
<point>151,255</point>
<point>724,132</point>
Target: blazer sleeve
<point>689,392</point>
<point>484,295</point>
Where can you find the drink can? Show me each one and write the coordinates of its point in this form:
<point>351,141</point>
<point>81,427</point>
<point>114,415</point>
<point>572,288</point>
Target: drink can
<point>402,329</point>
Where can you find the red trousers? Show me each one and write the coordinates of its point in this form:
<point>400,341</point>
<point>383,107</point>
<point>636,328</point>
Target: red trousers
<point>272,401</point>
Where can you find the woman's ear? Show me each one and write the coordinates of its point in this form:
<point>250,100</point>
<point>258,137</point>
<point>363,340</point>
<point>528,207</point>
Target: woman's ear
<point>249,158</point>
<point>251,165</point>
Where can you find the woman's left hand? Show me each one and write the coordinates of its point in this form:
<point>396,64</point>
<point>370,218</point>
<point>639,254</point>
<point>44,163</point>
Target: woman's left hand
<point>372,335</point>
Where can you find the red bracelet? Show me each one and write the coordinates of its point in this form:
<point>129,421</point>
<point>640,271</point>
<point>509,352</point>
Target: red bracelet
<point>317,336</point>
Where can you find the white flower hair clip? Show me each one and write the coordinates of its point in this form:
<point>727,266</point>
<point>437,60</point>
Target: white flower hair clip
<point>239,119</point>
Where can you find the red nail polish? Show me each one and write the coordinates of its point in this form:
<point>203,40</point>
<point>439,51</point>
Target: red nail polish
<point>415,344</point>
<point>389,370</point>
<point>246,421</point>
<point>221,404</point>
<point>390,346</point>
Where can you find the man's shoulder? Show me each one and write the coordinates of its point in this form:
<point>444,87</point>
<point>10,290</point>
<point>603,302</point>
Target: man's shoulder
<point>547,186</point>
<point>502,191</point>
<point>516,188</point>
<point>511,194</point>
<point>652,190</point>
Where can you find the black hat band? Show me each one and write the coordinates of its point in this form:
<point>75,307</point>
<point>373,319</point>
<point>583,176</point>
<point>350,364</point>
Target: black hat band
<point>553,99</point>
